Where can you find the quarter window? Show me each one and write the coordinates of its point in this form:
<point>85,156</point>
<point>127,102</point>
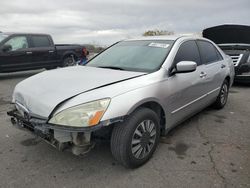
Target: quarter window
<point>17,43</point>
<point>209,53</point>
<point>188,51</point>
<point>40,41</point>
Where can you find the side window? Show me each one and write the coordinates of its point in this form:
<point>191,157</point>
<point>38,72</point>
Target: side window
<point>40,41</point>
<point>17,43</point>
<point>188,51</point>
<point>219,54</point>
<point>209,53</point>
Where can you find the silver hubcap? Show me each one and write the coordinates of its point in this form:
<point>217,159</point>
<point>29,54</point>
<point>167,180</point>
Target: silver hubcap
<point>143,139</point>
<point>69,62</point>
<point>224,93</point>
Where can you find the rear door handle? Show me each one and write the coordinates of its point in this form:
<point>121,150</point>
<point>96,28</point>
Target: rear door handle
<point>223,66</point>
<point>203,74</point>
<point>28,53</point>
<point>51,51</point>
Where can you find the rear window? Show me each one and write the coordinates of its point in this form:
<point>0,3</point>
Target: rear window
<point>40,41</point>
<point>209,53</point>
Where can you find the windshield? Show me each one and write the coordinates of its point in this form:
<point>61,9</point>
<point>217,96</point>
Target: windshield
<point>2,36</point>
<point>141,56</point>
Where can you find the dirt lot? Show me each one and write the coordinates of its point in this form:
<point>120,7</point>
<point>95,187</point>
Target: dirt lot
<point>210,150</point>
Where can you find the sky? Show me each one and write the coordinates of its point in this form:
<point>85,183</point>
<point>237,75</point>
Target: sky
<point>103,22</point>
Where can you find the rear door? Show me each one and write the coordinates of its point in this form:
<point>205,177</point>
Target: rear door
<point>17,57</point>
<point>43,51</point>
<point>214,68</point>
<point>187,88</point>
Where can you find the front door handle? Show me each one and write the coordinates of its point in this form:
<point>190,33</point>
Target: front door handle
<point>203,74</point>
<point>51,51</point>
<point>28,53</point>
<point>223,66</point>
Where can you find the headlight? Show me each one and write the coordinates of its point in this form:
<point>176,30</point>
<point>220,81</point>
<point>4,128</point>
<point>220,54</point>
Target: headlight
<point>84,115</point>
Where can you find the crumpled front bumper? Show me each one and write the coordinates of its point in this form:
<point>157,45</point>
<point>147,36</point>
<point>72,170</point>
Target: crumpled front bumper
<point>77,140</point>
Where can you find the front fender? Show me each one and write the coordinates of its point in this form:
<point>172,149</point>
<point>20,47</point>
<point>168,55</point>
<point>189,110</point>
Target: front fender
<point>125,104</point>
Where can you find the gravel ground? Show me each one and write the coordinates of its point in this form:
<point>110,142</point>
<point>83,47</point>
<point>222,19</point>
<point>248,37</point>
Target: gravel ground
<point>212,149</point>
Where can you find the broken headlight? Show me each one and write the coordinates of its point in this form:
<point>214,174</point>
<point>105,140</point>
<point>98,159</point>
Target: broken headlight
<point>84,115</point>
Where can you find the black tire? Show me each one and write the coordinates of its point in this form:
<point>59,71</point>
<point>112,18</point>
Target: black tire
<point>223,95</point>
<point>123,134</point>
<point>68,61</point>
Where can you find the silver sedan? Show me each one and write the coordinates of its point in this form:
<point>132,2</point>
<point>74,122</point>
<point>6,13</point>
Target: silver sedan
<point>133,92</point>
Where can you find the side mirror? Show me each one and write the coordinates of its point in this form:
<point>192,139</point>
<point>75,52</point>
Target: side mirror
<point>185,66</point>
<point>6,48</point>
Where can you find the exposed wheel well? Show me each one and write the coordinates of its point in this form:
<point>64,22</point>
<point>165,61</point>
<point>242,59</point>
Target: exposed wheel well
<point>157,108</point>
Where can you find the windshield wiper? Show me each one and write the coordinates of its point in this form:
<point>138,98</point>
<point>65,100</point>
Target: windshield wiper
<point>111,67</point>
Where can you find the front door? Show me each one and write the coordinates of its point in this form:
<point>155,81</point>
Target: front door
<point>17,57</point>
<point>187,88</point>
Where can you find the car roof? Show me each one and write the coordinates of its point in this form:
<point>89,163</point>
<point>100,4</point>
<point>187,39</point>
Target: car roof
<point>168,37</point>
<point>16,33</point>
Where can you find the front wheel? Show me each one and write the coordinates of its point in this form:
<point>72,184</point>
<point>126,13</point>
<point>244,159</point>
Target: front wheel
<point>223,95</point>
<point>134,141</point>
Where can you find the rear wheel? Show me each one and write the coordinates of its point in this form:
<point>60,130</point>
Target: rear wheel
<point>69,61</point>
<point>134,141</point>
<point>223,95</point>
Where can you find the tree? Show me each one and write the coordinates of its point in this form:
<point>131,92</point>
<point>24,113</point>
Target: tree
<point>157,32</point>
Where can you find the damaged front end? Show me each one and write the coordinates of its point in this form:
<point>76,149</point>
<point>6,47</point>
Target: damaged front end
<point>77,140</point>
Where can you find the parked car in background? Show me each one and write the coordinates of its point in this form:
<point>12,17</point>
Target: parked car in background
<point>131,93</point>
<point>24,51</point>
<point>234,40</point>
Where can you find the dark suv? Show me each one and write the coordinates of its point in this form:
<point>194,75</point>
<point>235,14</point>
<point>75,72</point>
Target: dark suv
<point>234,40</point>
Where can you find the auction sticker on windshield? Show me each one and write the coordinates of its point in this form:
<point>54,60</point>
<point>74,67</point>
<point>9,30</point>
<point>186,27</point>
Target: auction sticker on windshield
<point>158,45</point>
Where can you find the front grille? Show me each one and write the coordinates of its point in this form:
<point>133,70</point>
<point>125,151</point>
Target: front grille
<point>236,58</point>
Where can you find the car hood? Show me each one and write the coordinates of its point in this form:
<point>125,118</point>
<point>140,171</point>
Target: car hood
<point>41,93</point>
<point>227,34</point>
